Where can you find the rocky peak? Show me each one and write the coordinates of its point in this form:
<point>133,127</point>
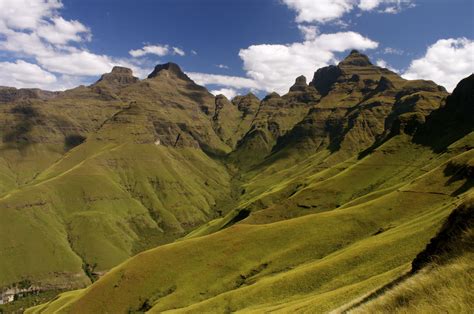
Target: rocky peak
<point>221,101</point>
<point>167,69</point>
<point>325,77</point>
<point>122,71</point>
<point>300,84</point>
<point>355,58</point>
<point>272,95</point>
<point>247,104</point>
<point>119,76</point>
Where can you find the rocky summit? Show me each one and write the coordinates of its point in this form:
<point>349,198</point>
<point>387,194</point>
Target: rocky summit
<point>181,200</point>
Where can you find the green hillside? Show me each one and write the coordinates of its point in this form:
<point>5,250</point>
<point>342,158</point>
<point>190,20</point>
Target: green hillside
<point>182,201</point>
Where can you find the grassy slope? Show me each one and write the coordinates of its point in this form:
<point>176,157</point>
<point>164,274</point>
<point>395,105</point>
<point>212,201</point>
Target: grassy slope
<point>112,196</point>
<point>442,275</point>
<point>95,207</point>
<point>317,262</point>
<point>444,289</point>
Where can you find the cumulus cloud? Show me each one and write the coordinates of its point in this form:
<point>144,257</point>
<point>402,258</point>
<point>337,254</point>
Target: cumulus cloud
<point>323,11</point>
<point>383,64</point>
<point>446,62</point>
<point>24,74</point>
<point>61,31</point>
<point>319,11</point>
<point>310,32</point>
<point>40,17</point>
<point>77,63</point>
<point>227,92</point>
<point>223,80</point>
<point>159,50</point>
<point>27,14</point>
<point>35,30</point>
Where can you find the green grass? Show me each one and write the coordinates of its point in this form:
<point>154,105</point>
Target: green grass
<point>316,262</point>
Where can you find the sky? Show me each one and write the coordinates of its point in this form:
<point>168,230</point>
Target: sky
<point>231,46</point>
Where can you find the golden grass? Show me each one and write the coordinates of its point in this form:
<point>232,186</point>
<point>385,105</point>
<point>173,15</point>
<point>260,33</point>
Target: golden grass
<point>437,289</point>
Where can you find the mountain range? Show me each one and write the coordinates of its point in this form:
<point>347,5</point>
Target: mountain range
<point>155,195</point>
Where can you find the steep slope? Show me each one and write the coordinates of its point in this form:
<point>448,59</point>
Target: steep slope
<point>442,273</point>
<point>125,171</point>
<point>310,237</point>
<point>275,116</point>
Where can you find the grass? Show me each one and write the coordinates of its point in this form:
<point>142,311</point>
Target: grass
<point>323,260</point>
<point>115,194</point>
<point>437,289</point>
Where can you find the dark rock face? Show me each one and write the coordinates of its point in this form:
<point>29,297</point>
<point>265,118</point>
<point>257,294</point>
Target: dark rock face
<point>384,84</point>
<point>300,84</point>
<point>454,237</point>
<point>324,79</point>
<point>453,120</point>
<point>170,67</point>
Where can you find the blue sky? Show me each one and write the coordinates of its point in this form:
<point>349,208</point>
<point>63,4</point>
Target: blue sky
<point>231,46</point>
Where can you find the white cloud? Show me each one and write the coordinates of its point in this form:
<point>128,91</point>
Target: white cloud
<point>29,44</point>
<point>159,50</point>
<point>24,74</point>
<point>77,63</point>
<point>61,31</point>
<point>386,6</point>
<point>194,52</point>
<point>222,66</point>
<point>178,51</point>
<point>309,32</point>
<point>223,80</point>
<point>34,29</point>
<point>383,64</point>
<point>27,14</point>
<point>393,51</point>
<point>446,62</point>
<point>227,92</point>
<point>319,10</point>
<point>274,67</point>
<point>323,11</point>
<point>368,5</point>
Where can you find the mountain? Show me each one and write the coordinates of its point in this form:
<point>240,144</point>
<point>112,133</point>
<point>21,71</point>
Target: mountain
<point>179,200</point>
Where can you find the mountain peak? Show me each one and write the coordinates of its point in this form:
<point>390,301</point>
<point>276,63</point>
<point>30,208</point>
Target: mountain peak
<point>122,70</point>
<point>300,84</point>
<point>169,67</point>
<point>355,58</point>
<point>119,75</point>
